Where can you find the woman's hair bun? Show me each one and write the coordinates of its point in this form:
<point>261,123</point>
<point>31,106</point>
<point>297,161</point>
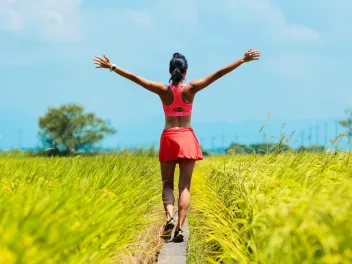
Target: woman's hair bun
<point>177,55</point>
<point>178,67</point>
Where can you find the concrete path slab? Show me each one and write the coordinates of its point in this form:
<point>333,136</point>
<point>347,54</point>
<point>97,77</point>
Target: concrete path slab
<point>174,253</point>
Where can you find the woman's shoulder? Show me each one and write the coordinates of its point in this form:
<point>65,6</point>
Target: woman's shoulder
<point>187,86</point>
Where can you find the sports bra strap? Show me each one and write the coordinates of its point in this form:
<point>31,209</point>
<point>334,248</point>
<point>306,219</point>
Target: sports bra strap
<point>177,103</point>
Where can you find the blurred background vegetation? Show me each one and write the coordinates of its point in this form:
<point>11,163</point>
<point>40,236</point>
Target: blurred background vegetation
<point>68,130</point>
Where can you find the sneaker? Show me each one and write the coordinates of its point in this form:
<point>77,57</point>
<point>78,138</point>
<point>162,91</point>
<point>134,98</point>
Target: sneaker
<point>178,236</point>
<point>168,229</point>
<point>170,224</point>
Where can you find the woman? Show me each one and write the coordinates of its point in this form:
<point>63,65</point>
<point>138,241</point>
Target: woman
<point>178,143</point>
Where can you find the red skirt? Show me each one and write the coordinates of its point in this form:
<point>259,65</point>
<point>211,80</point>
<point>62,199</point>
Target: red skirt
<point>176,143</point>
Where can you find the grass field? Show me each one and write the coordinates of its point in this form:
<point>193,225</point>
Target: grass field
<point>278,208</point>
<point>79,210</point>
<point>290,208</point>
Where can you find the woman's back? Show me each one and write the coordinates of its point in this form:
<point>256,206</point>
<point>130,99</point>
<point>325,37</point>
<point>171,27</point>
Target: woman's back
<point>177,103</point>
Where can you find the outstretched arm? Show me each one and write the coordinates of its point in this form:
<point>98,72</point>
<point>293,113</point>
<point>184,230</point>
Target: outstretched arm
<point>154,87</point>
<point>200,84</point>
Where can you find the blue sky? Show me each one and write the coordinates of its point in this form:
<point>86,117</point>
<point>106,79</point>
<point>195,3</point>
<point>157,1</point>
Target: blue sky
<point>47,49</point>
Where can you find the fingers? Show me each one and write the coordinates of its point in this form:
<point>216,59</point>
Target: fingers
<point>98,59</point>
<point>256,57</point>
<point>102,65</point>
<point>107,59</point>
<point>100,62</point>
<point>253,54</point>
<point>253,51</point>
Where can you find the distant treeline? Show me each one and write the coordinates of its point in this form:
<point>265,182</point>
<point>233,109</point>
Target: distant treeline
<point>264,148</point>
<point>234,148</point>
<point>150,152</point>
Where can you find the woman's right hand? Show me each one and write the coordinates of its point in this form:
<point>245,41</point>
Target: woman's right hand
<point>251,55</point>
<point>102,62</point>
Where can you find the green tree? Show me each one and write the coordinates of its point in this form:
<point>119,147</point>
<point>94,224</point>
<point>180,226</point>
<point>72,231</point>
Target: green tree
<point>263,148</point>
<point>312,148</point>
<point>67,129</point>
<point>236,148</point>
<point>206,153</point>
<point>347,122</point>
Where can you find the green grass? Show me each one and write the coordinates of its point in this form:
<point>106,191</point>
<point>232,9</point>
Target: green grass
<point>76,210</point>
<point>288,208</point>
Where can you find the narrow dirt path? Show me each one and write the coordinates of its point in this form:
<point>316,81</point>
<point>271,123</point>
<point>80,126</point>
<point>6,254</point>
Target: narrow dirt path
<point>175,253</point>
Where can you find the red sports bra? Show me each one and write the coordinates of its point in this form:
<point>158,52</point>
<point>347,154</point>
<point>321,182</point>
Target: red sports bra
<point>169,110</point>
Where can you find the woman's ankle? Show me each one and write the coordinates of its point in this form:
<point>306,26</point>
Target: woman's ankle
<point>168,217</point>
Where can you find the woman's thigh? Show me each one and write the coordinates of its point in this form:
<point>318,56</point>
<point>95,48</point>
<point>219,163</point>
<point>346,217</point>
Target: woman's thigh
<point>167,172</point>
<point>186,171</point>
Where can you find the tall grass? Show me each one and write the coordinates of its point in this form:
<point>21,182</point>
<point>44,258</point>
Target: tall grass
<point>77,210</point>
<point>286,208</point>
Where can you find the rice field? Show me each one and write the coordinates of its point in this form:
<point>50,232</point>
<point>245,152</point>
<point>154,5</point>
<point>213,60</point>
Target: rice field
<point>277,208</point>
<point>104,209</point>
<point>288,208</point>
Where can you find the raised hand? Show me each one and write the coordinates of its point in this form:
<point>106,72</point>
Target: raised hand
<point>251,55</point>
<point>102,62</point>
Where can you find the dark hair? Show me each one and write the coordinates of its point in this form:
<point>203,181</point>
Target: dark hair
<point>178,67</point>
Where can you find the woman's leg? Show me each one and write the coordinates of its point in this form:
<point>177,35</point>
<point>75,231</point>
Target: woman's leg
<point>186,170</point>
<point>167,173</point>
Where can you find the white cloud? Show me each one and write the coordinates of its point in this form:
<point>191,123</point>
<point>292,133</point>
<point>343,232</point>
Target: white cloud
<point>281,37</point>
<point>47,19</point>
<point>9,18</point>
<point>263,16</point>
<point>299,33</point>
<point>65,20</point>
<point>14,22</point>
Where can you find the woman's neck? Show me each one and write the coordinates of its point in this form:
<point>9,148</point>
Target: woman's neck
<point>177,84</point>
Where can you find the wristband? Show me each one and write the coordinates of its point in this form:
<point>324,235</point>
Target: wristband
<point>113,68</point>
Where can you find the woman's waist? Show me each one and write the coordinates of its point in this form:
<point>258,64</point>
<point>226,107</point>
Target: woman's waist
<point>177,133</point>
<point>177,129</point>
<point>177,122</point>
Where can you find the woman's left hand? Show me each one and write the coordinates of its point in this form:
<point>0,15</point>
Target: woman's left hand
<point>102,62</point>
<point>251,55</point>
